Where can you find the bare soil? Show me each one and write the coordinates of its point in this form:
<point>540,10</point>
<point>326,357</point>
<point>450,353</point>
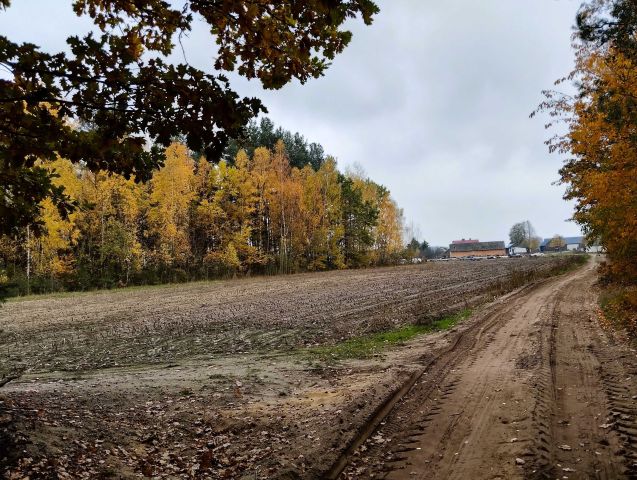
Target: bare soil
<point>166,324</point>
<point>534,389</point>
<point>214,380</point>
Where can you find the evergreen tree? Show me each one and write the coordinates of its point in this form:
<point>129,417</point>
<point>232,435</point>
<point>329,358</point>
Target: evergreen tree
<point>359,219</point>
<point>264,134</point>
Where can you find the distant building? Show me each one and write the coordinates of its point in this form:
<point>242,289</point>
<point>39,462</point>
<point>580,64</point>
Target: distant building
<point>571,244</point>
<point>475,248</point>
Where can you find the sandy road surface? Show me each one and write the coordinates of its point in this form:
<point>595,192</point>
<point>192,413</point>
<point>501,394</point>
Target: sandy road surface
<point>534,389</point>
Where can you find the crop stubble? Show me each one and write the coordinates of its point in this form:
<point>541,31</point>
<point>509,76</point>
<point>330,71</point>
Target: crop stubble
<point>165,324</point>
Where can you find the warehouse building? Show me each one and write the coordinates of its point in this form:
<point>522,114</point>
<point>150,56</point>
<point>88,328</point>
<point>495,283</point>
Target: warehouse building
<point>475,248</point>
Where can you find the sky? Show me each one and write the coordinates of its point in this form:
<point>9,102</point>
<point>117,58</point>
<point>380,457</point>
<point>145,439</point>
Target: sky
<point>432,100</point>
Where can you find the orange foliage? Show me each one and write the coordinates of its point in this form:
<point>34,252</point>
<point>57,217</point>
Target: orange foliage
<point>602,174</point>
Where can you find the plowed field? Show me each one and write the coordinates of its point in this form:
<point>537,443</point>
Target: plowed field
<point>217,380</point>
<point>165,324</point>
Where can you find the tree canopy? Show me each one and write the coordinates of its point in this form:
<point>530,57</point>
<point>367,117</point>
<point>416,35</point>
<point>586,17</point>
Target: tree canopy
<point>195,220</point>
<point>113,92</point>
<point>557,242</point>
<point>600,172</point>
<point>609,23</point>
<point>522,234</point>
<point>265,134</point>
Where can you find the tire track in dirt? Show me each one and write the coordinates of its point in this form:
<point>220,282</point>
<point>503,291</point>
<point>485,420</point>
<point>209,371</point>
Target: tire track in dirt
<point>533,390</point>
<point>622,396</point>
<point>571,400</point>
<point>435,366</point>
<point>419,413</point>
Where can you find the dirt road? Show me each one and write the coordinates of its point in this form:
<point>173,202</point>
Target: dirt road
<point>533,389</point>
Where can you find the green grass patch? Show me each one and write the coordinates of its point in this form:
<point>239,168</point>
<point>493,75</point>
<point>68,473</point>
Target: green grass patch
<point>369,345</point>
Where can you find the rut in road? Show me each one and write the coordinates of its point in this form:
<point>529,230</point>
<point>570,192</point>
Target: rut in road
<point>534,390</point>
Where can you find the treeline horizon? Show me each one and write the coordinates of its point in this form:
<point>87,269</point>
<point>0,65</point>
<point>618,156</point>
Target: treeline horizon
<point>197,220</point>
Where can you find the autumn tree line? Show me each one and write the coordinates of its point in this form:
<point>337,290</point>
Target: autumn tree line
<point>253,214</point>
<point>114,82</point>
<point>601,141</point>
<point>601,172</point>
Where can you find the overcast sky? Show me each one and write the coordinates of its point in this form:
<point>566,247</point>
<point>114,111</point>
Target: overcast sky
<point>433,100</point>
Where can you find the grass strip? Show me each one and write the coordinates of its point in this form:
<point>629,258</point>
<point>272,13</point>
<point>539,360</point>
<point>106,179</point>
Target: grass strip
<point>370,345</point>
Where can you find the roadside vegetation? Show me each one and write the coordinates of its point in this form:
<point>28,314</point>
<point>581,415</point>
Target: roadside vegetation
<point>370,345</point>
<point>619,306</point>
<point>562,263</point>
<point>601,171</point>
